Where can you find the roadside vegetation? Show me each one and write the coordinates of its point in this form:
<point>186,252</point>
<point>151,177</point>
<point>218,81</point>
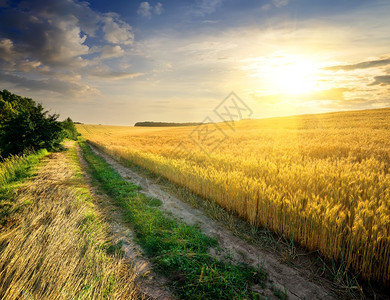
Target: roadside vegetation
<point>15,170</point>
<point>58,246</point>
<point>178,250</point>
<point>54,244</point>
<point>25,126</point>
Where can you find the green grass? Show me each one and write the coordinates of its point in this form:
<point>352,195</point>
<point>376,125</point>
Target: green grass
<point>13,172</point>
<point>178,250</point>
<point>93,228</point>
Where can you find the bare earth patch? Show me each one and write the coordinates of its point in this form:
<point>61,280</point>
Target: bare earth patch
<point>281,275</point>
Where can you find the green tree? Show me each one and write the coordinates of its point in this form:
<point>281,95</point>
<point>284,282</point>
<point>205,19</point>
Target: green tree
<point>26,125</point>
<point>70,129</point>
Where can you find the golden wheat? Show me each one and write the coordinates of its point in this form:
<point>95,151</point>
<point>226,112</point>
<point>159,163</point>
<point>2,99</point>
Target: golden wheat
<point>322,179</point>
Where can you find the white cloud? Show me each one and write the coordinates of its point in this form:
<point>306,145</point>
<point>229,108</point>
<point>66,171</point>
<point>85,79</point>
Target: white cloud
<point>117,31</point>
<point>116,75</point>
<point>6,51</point>
<point>144,9</point>
<point>55,33</point>
<point>108,51</point>
<point>111,52</point>
<point>51,42</point>
<point>266,7</point>
<point>66,42</point>
<point>280,3</point>
<point>158,9</point>
<point>206,7</point>
<point>210,22</point>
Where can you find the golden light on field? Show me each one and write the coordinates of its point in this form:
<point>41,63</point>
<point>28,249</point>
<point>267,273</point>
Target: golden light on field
<point>315,178</point>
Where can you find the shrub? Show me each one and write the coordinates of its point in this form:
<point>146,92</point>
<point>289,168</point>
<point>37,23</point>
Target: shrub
<point>26,125</point>
<point>70,130</point>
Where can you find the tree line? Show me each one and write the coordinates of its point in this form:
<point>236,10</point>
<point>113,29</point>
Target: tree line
<point>26,125</point>
<point>165,124</point>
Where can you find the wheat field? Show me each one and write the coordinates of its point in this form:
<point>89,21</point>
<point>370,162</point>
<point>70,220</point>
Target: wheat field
<point>322,180</point>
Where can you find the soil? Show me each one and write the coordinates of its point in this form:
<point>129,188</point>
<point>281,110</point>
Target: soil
<point>281,276</point>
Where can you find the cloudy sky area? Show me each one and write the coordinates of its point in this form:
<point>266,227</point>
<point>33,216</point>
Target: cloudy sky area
<point>119,62</point>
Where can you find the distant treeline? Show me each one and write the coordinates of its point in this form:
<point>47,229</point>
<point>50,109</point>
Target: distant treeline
<point>165,124</point>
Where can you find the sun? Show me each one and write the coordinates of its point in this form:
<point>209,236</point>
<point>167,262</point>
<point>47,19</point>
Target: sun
<point>286,75</point>
<point>293,78</point>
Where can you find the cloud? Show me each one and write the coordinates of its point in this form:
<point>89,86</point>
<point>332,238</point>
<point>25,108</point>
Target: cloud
<point>158,9</point>
<point>206,7</point>
<point>55,32</point>
<point>146,10</point>
<point>280,3</point>
<point>209,21</point>
<point>330,94</point>
<point>110,52</point>
<point>45,37</point>
<point>381,80</point>
<point>53,42</point>
<point>63,87</point>
<point>116,75</point>
<point>266,7</point>
<point>117,31</point>
<point>361,65</point>
<point>107,51</point>
<point>6,51</point>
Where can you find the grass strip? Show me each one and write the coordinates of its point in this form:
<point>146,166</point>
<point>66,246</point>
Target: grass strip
<point>178,250</point>
<point>13,172</point>
<point>107,274</point>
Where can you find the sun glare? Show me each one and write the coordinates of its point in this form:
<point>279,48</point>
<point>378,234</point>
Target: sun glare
<point>297,77</point>
<point>285,74</point>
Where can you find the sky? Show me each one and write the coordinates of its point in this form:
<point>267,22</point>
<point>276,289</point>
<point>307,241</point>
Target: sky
<point>120,62</point>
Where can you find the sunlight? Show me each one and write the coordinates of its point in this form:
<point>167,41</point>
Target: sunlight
<point>297,77</point>
<point>284,74</point>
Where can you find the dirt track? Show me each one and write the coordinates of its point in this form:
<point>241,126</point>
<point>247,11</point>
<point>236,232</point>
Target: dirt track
<point>280,274</point>
<point>150,284</point>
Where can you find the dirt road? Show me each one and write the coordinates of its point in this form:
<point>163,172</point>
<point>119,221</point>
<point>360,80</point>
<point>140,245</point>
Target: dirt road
<point>281,275</point>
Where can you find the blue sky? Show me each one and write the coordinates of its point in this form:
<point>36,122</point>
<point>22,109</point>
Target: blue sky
<point>119,62</point>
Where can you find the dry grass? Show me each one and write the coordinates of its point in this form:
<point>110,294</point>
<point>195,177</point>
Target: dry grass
<point>323,180</point>
<point>13,167</point>
<point>58,249</point>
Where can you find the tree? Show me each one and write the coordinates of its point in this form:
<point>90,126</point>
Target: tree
<point>26,125</point>
<point>70,129</point>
